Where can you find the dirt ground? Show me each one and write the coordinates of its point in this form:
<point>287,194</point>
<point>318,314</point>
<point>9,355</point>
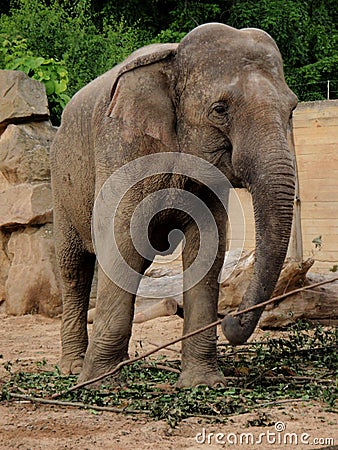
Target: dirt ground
<point>29,339</point>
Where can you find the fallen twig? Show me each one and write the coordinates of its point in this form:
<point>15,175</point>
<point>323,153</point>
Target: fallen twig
<point>76,404</point>
<point>227,344</point>
<point>128,362</point>
<point>23,391</point>
<point>160,367</point>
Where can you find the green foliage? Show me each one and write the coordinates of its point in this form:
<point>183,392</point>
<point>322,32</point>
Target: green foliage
<point>149,14</point>
<point>307,36</point>
<point>310,82</point>
<point>282,19</point>
<point>68,35</point>
<point>301,365</point>
<point>186,16</point>
<point>14,55</point>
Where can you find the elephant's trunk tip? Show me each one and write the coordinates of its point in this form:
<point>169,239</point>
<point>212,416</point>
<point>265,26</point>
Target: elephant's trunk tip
<point>234,331</point>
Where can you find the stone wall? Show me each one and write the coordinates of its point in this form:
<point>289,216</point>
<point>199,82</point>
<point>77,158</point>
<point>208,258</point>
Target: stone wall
<point>28,278</point>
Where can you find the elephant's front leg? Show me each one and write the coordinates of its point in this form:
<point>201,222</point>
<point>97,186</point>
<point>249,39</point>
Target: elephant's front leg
<point>199,354</point>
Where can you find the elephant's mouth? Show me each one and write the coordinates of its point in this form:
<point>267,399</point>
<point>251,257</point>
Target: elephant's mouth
<point>226,166</point>
<point>221,157</point>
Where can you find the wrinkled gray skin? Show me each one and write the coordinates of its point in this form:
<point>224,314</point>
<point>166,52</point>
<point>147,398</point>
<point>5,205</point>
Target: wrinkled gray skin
<point>220,95</point>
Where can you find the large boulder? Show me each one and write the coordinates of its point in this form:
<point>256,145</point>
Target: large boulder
<point>32,283</point>
<point>26,204</point>
<point>21,98</point>
<point>24,152</point>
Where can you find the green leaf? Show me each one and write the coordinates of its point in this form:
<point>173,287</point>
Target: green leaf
<point>60,86</point>
<point>33,62</point>
<point>50,87</point>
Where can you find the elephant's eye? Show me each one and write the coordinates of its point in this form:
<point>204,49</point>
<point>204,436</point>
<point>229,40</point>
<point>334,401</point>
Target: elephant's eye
<point>220,109</point>
<point>218,113</point>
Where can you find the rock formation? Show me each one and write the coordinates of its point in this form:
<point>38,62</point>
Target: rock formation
<point>28,277</point>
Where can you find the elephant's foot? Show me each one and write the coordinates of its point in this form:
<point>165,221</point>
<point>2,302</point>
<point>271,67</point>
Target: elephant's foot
<point>200,376</point>
<point>71,365</point>
<point>92,371</point>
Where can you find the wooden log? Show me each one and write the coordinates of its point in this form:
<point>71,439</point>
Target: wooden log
<point>293,275</point>
<point>236,280</point>
<point>318,304</point>
<point>165,307</point>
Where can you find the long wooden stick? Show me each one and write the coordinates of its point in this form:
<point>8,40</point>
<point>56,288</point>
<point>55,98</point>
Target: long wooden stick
<point>186,336</point>
<point>76,404</point>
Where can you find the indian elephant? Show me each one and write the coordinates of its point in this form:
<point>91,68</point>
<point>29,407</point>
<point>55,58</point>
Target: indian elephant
<point>220,95</point>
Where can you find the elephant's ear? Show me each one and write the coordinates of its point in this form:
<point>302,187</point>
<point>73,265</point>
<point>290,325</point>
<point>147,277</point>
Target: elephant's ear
<point>141,96</point>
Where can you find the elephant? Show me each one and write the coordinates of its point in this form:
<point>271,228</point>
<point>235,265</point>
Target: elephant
<point>218,95</point>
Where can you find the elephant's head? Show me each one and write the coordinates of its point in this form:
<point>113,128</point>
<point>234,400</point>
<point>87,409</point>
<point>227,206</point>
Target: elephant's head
<point>221,95</point>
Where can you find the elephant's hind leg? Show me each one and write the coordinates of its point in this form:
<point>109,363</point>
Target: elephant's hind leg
<point>76,268</point>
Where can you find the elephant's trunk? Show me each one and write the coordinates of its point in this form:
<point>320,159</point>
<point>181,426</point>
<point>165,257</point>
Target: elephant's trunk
<point>269,176</point>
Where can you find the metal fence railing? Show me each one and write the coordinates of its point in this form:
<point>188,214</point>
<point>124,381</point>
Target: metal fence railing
<point>316,90</point>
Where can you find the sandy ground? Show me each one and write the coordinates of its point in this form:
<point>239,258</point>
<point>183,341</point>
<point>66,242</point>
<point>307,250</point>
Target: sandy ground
<point>25,426</point>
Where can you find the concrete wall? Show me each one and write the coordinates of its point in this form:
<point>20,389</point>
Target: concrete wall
<point>316,144</point>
